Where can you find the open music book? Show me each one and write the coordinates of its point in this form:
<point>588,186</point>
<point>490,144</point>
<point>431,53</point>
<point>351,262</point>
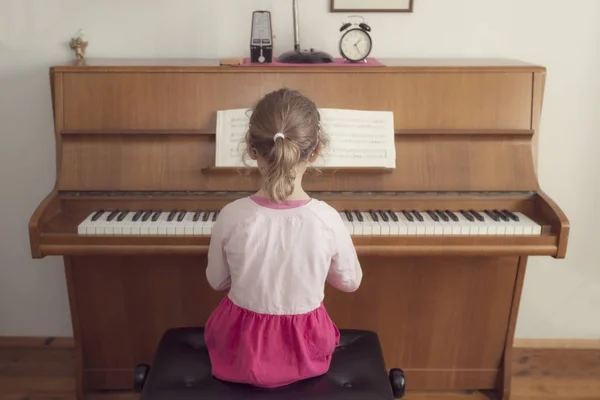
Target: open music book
<point>357,138</point>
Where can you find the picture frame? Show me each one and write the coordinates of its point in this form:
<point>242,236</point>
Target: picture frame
<point>371,6</point>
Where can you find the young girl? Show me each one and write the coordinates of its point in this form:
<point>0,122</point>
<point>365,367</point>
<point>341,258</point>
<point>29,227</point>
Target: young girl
<point>274,251</point>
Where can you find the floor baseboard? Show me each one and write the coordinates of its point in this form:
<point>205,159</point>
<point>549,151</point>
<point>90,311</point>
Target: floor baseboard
<point>17,342</point>
<point>591,344</point>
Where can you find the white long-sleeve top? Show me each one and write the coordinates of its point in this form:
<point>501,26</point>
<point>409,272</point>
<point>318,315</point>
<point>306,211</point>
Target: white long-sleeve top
<point>276,259</point>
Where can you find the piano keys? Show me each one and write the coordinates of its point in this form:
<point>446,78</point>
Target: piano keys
<point>489,222</point>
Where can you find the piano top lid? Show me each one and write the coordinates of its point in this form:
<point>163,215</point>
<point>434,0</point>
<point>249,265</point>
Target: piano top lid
<point>213,65</point>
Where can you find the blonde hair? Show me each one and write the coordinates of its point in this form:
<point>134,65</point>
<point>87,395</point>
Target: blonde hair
<point>297,118</point>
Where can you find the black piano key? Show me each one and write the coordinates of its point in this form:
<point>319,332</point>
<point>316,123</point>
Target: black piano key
<point>146,215</point>
<point>156,215</point>
<point>374,215</point>
<point>122,216</point>
<point>408,215</point>
<point>112,215</point>
<point>181,215</point>
<point>384,216</point>
<point>205,216</point>
<point>511,215</point>
<point>359,216</point>
<point>477,215</point>
<point>349,216</point>
<point>214,216</point>
<point>172,215</point>
<point>467,215</point>
<point>502,216</point>
<point>137,216</point>
<point>418,216</point>
<point>442,215</point>
<point>197,215</point>
<point>433,215</point>
<point>452,216</point>
<point>393,215</point>
<point>492,215</point>
<point>97,215</point>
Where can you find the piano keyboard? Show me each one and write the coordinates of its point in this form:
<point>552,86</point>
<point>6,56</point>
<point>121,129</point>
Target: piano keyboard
<point>358,223</point>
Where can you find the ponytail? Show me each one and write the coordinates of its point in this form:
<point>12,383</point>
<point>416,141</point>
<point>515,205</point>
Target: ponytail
<point>280,174</point>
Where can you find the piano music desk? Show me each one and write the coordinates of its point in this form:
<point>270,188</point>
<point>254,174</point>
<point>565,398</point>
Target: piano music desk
<point>137,135</point>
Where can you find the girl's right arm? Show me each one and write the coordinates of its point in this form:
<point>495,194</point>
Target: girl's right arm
<point>345,272</point>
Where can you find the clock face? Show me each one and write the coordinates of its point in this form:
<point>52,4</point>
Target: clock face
<point>355,45</point>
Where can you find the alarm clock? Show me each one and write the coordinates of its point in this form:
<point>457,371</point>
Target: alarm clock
<point>355,43</point>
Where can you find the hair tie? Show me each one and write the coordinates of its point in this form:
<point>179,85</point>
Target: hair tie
<point>278,134</point>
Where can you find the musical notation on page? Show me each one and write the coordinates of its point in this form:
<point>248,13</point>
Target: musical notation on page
<point>357,138</point>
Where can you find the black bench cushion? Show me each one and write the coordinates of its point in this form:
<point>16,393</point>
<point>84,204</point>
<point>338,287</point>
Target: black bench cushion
<point>181,371</point>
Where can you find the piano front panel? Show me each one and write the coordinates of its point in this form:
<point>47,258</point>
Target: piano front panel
<point>442,319</point>
<point>488,161</point>
<point>165,101</point>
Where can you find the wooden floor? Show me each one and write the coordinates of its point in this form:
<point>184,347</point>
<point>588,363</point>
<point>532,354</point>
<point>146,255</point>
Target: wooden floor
<point>538,374</point>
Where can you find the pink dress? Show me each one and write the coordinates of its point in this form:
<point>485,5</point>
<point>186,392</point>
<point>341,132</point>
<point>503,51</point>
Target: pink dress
<point>272,329</point>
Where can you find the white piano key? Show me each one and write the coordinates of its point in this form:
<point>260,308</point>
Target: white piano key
<point>482,226</point>
<point>490,223</point>
<point>199,224</point>
<point>136,226</point>
<point>207,226</point>
<point>127,223</point>
<point>456,228</point>
<point>357,226</point>
<point>438,229</point>
<point>180,224</point>
<point>429,224</point>
<point>367,228</point>
<point>153,228</point>
<point>85,225</point>
<point>395,226</point>
<point>529,226</point>
<point>188,226</point>
<point>446,225</point>
<point>347,223</point>
<point>383,221</point>
<point>411,226</point>
<point>375,226</point>
<point>100,228</point>
<point>145,225</point>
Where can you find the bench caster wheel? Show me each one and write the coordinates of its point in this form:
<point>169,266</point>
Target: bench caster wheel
<point>139,377</point>
<point>398,382</point>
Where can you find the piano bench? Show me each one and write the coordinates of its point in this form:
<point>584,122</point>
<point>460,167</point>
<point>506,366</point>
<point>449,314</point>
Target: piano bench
<point>181,370</point>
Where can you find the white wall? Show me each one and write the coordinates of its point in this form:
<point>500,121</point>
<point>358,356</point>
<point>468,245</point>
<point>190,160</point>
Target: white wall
<point>561,298</point>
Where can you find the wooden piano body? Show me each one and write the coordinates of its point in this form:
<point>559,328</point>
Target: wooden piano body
<point>139,134</point>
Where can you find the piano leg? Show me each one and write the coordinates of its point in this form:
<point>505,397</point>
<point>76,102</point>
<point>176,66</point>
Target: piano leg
<point>80,387</point>
<point>504,386</point>
<point>448,322</point>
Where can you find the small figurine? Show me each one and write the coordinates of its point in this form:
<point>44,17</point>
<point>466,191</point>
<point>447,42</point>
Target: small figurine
<point>78,45</point>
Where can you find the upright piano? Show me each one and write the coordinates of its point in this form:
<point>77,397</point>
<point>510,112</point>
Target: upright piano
<point>443,238</point>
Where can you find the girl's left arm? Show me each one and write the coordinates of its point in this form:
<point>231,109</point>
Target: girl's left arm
<point>217,271</point>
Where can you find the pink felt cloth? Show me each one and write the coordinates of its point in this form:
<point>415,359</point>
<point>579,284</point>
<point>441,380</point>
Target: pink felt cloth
<point>269,350</point>
<point>337,62</point>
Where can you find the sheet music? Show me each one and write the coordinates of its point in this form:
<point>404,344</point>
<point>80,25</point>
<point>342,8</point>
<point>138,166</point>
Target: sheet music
<point>357,138</point>
<point>232,126</point>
